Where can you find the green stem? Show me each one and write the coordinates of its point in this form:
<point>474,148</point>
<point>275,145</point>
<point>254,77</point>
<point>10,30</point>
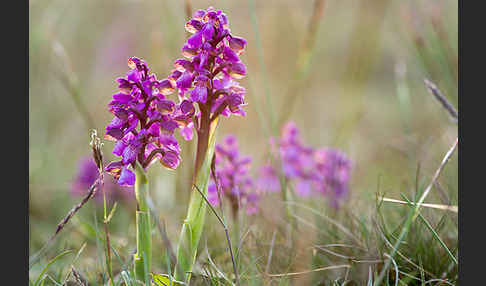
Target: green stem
<point>144,239</point>
<point>107,239</point>
<point>287,197</point>
<point>236,233</point>
<point>196,213</point>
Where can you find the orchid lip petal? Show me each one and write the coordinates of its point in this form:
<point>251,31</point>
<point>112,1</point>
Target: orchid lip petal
<point>127,177</point>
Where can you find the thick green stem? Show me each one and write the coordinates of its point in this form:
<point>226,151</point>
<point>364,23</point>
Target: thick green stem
<point>144,239</point>
<point>196,213</point>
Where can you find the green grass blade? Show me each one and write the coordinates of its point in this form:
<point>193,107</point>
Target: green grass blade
<point>434,233</point>
<point>99,248</point>
<point>49,265</point>
<point>126,278</point>
<point>262,67</point>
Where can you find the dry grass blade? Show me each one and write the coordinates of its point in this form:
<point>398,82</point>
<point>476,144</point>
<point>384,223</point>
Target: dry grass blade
<point>333,253</point>
<point>64,221</point>
<point>435,178</point>
<point>438,280</point>
<point>75,209</point>
<point>70,82</point>
<point>340,245</point>
<point>270,253</point>
<point>441,98</point>
<point>79,278</point>
<point>317,14</point>
<point>310,271</point>
<point>303,59</point>
<point>75,259</point>
<point>434,206</point>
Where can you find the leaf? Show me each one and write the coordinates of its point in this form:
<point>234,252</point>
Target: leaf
<point>165,280</point>
<point>193,224</point>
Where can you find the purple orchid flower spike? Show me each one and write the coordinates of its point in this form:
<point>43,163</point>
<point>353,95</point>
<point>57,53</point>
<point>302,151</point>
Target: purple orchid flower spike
<point>206,81</point>
<point>310,171</point>
<point>233,179</point>
<point>268,180</point>
<point>335,169</point>
<point>207,76</point>
<point>143,128</point>
<point>144,123</point>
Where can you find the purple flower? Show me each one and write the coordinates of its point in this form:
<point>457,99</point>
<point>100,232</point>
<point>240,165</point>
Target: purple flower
<point>268,179</point>
<point>207,76</point>
<point>334,168</point>
<point>88,173</point>
<point>233,178</point>
<point>310,171</point>
<point>145,121</point>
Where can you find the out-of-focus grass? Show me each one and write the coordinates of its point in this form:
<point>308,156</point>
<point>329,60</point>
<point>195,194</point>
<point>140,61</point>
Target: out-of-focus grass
<point>351,98</point>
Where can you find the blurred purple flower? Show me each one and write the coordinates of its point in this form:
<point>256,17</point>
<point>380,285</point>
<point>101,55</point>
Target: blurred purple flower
<point>334,169</point>
<point>88,174</point>
<point>233,178</point>
<point>311,171</point>
<point>268,179</point>
<point>142,102</point>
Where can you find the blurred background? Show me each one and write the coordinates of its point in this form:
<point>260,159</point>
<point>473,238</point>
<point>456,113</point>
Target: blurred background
<point>349,73</point>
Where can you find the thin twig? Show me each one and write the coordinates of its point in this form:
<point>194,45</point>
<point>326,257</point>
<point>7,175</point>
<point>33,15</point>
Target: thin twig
<point>432,88</point>
<point>225,231</point>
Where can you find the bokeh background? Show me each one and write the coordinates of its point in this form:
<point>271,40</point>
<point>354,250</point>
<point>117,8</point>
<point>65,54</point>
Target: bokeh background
<point>349,73</point>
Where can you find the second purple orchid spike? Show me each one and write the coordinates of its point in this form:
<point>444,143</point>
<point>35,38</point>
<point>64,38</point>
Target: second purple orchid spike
<point>310,171</point>
<point>233,178</point>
